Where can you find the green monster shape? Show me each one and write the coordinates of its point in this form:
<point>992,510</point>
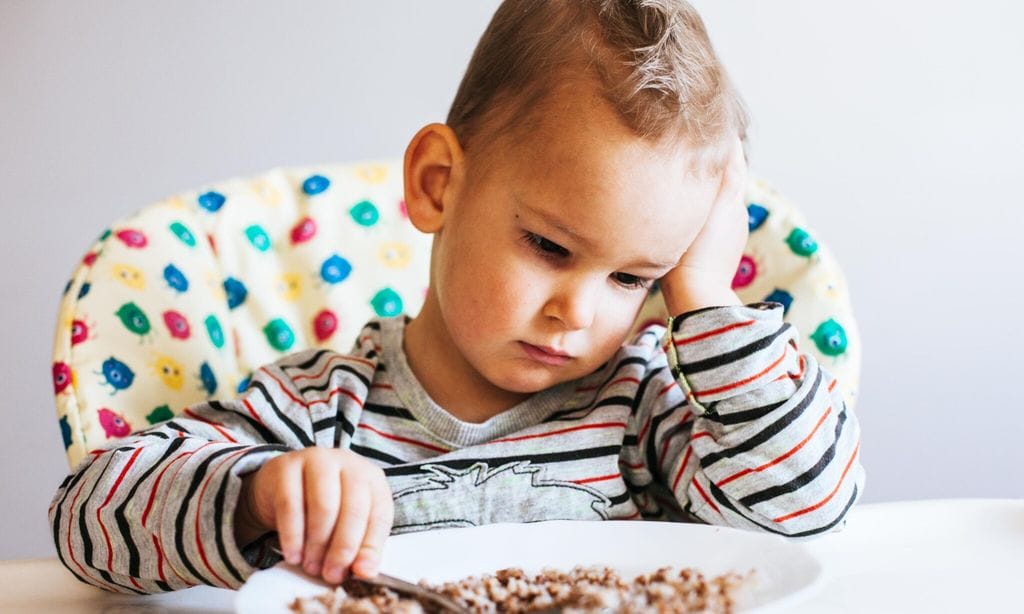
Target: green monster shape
<point>387,303</point>
<point>134,319</point>
<point>830,338</point>
<point>159,414</point>
<point>279,334</point>
<point>215,331</point>
<point>106,233</point>
<point>364,213</point>
<point>258,237</point>
<point>801,242</point>
<point>183,233</point>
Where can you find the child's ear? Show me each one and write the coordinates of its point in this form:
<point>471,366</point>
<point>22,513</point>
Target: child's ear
<point>433,170</point>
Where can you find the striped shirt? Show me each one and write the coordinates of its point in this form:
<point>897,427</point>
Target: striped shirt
<point>719,418</point>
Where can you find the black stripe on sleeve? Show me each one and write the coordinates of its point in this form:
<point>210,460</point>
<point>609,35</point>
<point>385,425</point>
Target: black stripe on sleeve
<point>376,454</point>
<point>263,431</point>
<point>642,389</point>
<point>734,355</point>
<point>327,384</point>
<point>390,411</point>
<point>536,459</point>
<point>769,431</point>
<point>71,481</point>
<point>88,551</point>
<point>298,432</point>
<point>315,358</point>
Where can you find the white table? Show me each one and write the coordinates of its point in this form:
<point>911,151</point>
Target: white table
<point>956,555</point>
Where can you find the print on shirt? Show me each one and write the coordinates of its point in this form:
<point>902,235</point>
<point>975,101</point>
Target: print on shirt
<point>443,497</point>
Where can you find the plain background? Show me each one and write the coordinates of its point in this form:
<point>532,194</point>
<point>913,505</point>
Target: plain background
<point>896,126</point>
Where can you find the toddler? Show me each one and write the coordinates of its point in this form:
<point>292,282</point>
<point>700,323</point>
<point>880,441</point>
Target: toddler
<point>594,148</point>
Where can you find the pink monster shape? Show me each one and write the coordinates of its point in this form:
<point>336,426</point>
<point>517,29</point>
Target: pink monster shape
<point>132,238</point>
<point>403,209</point>
<point>61,377</point>
<point>79,332</point>
<point>113,424</point>
<point>324,324</point>
<point>745,273</point>
<point>303,231</point>
<point>177,325</point>
<point>89,259</point>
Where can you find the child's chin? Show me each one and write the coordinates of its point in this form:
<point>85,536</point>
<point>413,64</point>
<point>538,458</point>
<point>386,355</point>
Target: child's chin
<point>529,379</point>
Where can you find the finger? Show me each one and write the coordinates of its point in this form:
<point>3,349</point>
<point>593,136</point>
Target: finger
<point>350,528</point>
<point>288,511</point>
<point>322,496</point>
<point>382,515</point>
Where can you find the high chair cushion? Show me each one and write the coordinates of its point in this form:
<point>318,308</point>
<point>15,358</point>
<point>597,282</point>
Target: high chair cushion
<point>183,300</point>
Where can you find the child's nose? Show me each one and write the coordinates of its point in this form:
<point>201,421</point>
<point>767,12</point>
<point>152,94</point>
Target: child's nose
<point>573,304</point>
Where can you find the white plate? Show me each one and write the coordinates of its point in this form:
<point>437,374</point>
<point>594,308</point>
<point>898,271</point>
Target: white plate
<point>786,572</point>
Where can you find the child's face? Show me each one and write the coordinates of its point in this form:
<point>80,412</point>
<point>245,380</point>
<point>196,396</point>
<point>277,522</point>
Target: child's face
<point>555,245</point>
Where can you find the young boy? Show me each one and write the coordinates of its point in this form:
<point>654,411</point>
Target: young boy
<point>593,148</point>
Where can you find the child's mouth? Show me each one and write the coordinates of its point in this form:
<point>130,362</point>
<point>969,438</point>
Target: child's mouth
<point>548,356</point>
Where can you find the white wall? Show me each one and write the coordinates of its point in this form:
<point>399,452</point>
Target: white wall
<point>894,125</point>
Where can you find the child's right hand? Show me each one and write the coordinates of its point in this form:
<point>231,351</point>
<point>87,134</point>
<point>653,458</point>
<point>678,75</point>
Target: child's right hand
<point>332,510</point>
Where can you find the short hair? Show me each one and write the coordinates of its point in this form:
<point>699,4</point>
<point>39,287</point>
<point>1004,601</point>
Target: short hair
<point>652,59</point>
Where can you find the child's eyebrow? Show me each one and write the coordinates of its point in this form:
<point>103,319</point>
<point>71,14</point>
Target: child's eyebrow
<point>557,224</point>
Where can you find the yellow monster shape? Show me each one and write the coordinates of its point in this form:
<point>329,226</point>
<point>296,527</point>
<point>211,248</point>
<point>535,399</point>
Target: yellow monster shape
<point>289,286</point>
<point>169,371</point>
<point>372,173</point>
<point>129,276</point>
<point>395,255</point>
<point>266,192</point>
<point>216,286</point>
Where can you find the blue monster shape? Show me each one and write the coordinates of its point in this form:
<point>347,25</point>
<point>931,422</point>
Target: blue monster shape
<point>67,286</point>
<point>756,215</point>
<point>65,431</point>
<point>84,290</point>
<point>175,278</point>
<point>236,292</point>
<point>779,295</point>
<point>244,384</point>
<point>207,377</point>
<point>315,185</point>
<point>212,201</point>
<point>335,269</point>
<point>117,374</point>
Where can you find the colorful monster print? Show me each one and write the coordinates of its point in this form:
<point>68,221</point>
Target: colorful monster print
<point>214,330</point>
<point>364,213</point>
<point>175,278</point>
<point>830,338</point>
<point>65,431</point>
<point>387,303</point>
<point>133,239</point>
<point>372,173</point>
<point>335,269</point>
<point>207,378</point>
<point>801,243</point>
<point>756,215</point>
<point>236,292</point>
<point>117,375</point>
<point>90,258</point>
<point>244,384</point>
<point>303,231</point>
<point>395,255</point>
<point>315,185</point>
<point>113,424</point>
<point>279,335</point>
<point>289,285</point>
<point>403,210</point>
<point>129,276</point>
<point>183,233</point>
<point>84,290</point>
<point>325,323</point>
<point>258,237</point>
<point>745,273</point>
<point>779,295</point>
<point>169,371</point>
<point>61,377</point>
<point>134,319</point>
<point>177,324</point>
<point>82,331</point>
<point>212,201</point>
<point>159,414</point>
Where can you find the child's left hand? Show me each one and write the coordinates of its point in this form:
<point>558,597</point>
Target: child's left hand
<point>703,277</point>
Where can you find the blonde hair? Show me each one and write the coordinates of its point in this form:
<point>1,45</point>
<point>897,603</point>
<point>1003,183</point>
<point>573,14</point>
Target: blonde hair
<point>652,59</point>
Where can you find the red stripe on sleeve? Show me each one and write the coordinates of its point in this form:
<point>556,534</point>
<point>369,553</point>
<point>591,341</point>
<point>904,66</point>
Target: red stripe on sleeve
<point>713,333</point>
<point>682,468</point>
<point>705,496</point>
<point>199,503</point>
<point>110,495</point>
<point>217,426</point>
<point>780,458</point>
<point>330,365</point>
<point>252,412</point>
<point>601,478</point>
<point>828,497</point>
<point>742,382</point>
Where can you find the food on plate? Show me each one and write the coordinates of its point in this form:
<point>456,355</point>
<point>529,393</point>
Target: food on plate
<point>583,589</point>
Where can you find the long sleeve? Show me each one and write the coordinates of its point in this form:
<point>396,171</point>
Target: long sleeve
<point>755,435</point>
<point>154,512</point>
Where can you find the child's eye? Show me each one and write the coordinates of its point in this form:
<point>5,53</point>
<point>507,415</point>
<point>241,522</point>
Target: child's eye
<point>544,247</point>
<point>631,281</point>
